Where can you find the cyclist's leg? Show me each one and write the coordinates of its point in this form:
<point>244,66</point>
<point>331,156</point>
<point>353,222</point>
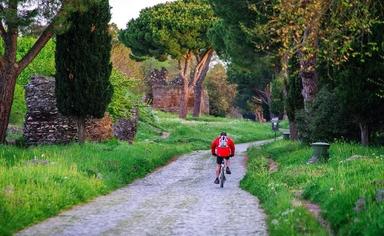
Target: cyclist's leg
<point>227,164</point>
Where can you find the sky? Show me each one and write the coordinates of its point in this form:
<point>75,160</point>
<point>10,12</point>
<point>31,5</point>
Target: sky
<point>124,10</point>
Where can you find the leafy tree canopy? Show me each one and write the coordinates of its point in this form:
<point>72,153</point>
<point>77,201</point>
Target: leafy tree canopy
<point>242,35</point>
<point>170,29</point>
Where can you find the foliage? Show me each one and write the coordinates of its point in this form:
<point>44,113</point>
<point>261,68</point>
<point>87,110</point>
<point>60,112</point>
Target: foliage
<point>329,122</point>
<point>335,186</point>
<point>241,35</point>
<point>151,64</point>
<point>294,100</point>
<point>356,88</point>
<point>125,95</point>
<point>83,64</point>
<point>44,64</point>
<point>121,60</point>
<point>221,92</point>
<point>30,12</point>
<point>277,104</point>
<point>178,30</point>
<point>18,107</point>
<point>252,84</point>
<point>169,29</point>
<point>347,22</point>
<point>39,182</point>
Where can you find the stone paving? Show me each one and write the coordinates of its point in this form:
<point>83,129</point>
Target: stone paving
<point>179,199</point>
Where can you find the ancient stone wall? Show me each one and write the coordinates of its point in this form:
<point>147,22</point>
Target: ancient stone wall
<point>166,94</point>
<point>125,129</point>
<point>45,125</point>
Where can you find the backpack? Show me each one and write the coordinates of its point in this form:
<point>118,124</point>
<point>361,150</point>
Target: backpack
<point>223,142</point>
<point>223,150</point>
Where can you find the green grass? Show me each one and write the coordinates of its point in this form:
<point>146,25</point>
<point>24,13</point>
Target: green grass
<point>284,124</point>
<point>39,182</point>
<point>335,186</point>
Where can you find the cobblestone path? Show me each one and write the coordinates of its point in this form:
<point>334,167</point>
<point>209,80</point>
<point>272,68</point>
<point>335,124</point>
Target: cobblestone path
<point>179,199</point>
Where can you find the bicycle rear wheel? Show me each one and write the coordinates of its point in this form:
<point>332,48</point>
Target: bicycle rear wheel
<point>222,177</point>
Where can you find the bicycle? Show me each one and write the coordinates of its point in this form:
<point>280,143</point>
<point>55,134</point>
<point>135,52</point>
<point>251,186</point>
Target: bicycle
<point>222,175</point>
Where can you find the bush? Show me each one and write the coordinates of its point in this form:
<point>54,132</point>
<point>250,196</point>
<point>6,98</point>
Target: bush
<point>326,120</point>
<point>125,96</point>
<point>277,104</point>
<point>221,92</point>
<point>18,107</point>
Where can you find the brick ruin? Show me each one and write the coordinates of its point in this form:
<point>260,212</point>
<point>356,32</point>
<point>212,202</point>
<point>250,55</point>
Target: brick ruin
<point>45,125</point>
<point>165,93</point>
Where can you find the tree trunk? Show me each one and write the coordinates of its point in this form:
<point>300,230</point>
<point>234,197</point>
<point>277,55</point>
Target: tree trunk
<point>184,98</point>
<point>294,134</point>
<point>7,87</point>
<point>199,91</point>
<point>198,95</point>
<point>202,70</point>
<point>308,53</point>
<point>309,79</point>
<point>10,68</point>
<point>81,129</point>
<point>364,132</point>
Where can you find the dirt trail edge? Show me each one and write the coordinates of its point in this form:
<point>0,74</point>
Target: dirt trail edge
<point>179,199</point>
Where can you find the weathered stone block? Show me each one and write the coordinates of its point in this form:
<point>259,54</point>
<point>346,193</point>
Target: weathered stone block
<point>125,129</point>
<point>45,125</point>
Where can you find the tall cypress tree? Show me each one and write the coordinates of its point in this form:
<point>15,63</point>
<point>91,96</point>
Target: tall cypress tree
<point>83,66</point>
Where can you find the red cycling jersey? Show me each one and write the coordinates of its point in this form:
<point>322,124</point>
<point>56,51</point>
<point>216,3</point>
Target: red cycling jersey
<point>231,148</point>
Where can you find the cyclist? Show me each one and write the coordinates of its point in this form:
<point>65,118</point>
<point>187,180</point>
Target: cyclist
<point>223,148</point>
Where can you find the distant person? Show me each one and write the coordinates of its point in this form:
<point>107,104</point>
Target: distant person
<point>223,148</point>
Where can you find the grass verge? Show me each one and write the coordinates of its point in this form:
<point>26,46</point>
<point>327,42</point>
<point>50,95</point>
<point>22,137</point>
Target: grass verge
<point>39,182</point>
<point>347,189</point>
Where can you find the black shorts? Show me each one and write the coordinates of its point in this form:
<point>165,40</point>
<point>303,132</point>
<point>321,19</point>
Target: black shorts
<point>220,160</point>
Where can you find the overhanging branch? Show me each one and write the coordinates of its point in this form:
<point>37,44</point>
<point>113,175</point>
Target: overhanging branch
<point>36,48</point>
<point>40,43</point>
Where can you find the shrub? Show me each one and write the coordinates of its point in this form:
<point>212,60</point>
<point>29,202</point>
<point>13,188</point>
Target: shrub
<point>124,97</point>
<point>18,107</point>
<point>326,120</point>
<point>221,92</point>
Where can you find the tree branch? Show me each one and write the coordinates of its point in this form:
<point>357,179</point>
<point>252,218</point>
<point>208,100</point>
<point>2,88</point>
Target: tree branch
<point>200,66</point>
<point>41,42</point>
<point>36,48</point>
